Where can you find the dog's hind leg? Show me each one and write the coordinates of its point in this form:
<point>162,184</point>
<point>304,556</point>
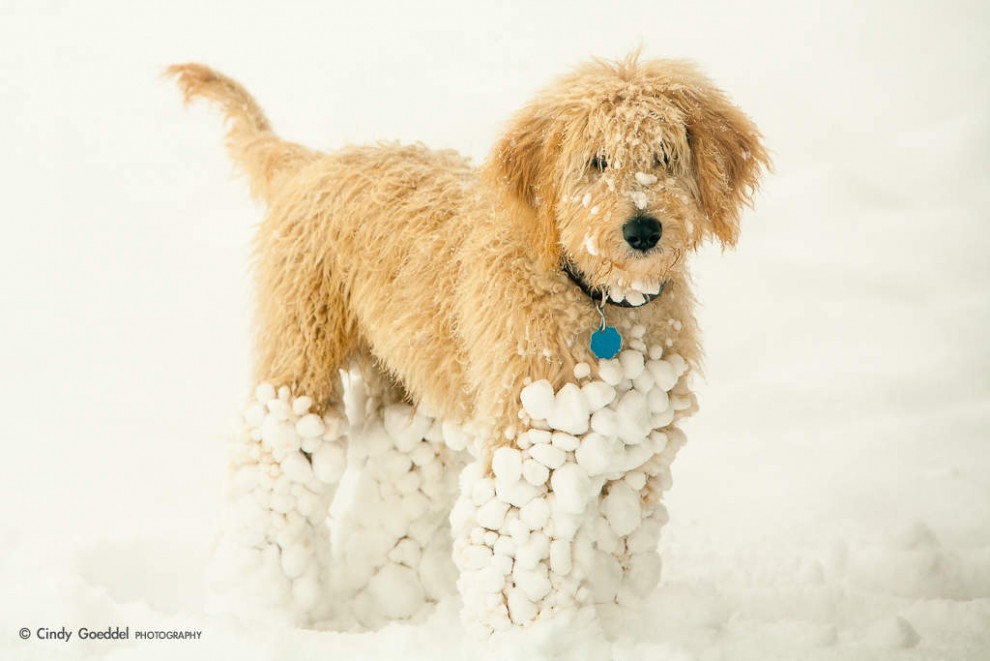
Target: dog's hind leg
<point>274,556</point>
<point>272,560</point>
<point>392,544</point>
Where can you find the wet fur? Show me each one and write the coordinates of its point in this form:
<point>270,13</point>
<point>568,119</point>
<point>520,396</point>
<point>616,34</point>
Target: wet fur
<point>448,277</point>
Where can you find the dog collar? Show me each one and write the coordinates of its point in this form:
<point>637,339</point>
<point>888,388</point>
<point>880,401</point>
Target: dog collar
<point>606,342</point>
<point>598,295</point>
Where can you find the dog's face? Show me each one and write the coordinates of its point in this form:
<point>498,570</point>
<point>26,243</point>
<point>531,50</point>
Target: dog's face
<point>624,167</point>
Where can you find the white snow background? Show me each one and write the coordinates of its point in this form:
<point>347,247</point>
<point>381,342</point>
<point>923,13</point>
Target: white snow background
<point>832,501</point>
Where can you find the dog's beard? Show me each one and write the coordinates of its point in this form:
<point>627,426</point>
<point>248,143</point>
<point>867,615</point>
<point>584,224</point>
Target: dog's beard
<point>637,294</point>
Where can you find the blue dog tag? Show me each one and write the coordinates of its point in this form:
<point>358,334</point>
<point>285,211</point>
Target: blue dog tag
<point>606,342</point>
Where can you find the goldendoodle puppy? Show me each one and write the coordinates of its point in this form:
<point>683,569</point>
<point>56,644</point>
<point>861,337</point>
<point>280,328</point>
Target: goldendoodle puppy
<point>536,310</point>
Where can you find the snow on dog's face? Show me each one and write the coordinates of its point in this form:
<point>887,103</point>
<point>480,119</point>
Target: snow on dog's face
<point>620,168</point>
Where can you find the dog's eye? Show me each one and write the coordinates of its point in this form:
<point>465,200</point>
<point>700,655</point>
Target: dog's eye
<point>599,163</point>
<point>661,159</point>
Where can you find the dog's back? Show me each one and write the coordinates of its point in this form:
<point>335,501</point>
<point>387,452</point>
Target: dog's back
<point>348,241</point>
<point>382,226</point>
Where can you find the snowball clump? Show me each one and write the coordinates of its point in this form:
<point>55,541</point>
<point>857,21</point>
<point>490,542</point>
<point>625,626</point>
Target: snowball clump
<point>564,521</point>
<point>569,517</point>
<point>390,557</point>
<point>286,463</point>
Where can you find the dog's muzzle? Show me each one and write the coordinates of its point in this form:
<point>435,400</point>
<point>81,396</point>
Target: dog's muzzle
<point>599,295</point>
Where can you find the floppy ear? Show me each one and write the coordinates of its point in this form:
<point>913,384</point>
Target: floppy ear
<point>522,166</point>
<point>728,158</point>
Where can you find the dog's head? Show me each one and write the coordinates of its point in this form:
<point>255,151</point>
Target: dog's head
<point>620,168</point>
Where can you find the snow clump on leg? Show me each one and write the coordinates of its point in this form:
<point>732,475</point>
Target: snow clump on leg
<point>567,521</point>
<point>273,554</point>
<point>392,557</point>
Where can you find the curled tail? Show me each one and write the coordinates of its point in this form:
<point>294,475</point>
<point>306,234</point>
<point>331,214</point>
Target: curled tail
<point>250,141</point>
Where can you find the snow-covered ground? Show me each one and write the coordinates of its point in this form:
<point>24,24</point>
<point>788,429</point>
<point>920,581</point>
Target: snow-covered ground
<point>833,501</point>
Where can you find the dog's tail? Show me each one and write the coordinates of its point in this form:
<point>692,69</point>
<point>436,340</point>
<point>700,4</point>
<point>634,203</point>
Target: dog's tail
<point>250,141</point>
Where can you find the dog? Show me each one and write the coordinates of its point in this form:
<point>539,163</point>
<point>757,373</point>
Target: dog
<point>534,315</point>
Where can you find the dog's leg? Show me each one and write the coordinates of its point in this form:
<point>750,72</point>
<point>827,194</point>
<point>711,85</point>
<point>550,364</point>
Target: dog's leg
<point>562,526</point>
<point>291,453</point>
<point>518,545</point>
<point>625,565</point>
<point>619,552</point>
<point>272,559</point>
<point>390,521</point>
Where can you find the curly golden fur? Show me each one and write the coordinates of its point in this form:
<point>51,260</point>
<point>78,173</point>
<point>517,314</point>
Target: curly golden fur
<point>449,277</point>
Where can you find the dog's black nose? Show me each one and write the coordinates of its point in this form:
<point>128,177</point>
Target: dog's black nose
<point>642,232</point>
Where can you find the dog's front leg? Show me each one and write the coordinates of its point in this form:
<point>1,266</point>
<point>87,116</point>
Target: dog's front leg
<point>619,552</point>
<point>514,542</point>
<point>273,557</point>
<point>561,526</point>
